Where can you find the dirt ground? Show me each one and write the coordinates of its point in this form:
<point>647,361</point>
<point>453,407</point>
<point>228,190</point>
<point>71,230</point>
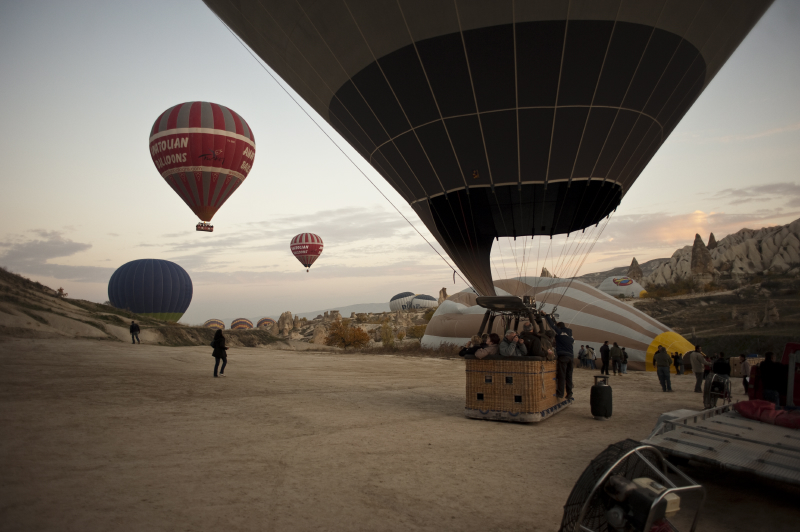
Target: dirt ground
<point>110,436</point>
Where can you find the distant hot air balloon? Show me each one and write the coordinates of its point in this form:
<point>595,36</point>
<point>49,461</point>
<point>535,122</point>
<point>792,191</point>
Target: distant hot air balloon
<point>241,323</point>
<point>306,247</point>
<point>203,151</point>
<point>214,324</point>
<point>265,322</point>
<point>401,301</point>
<point>152,287</point>
<point>498,119</point>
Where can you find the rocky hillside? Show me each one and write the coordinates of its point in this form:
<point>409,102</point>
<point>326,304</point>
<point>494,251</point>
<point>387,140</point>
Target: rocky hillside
<point>31,310</point>
<point>771,250</point>
<point>594,279</point>
<point>753,318</point>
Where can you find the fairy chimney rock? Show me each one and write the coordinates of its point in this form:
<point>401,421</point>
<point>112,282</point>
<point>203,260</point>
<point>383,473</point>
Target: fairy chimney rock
<point>635,271</point>
<point>712,242</point>
<point>285,323</point>
<point>546,273</point>
<point>442,295</point>
<point>702,265</point>
<point>296,322</point>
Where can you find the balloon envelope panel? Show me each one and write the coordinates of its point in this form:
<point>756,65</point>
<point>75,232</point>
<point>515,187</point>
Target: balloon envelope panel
<point>593,316</point>
<point>151,287</point>
<point>241,323</point>
<point>492,121</point>
<point>401,301</point>
<point>204,151</point>
<point>265,322</point>
<point>214,324</point>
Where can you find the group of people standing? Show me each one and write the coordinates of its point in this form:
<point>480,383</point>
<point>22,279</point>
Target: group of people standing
<point>612,357</point>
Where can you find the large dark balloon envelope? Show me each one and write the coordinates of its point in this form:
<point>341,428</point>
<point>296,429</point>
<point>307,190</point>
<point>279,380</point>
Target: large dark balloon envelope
<point>152,287</point>
<point>498,118</point>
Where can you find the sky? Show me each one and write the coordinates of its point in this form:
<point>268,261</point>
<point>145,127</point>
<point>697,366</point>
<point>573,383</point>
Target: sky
<point>83,82</point>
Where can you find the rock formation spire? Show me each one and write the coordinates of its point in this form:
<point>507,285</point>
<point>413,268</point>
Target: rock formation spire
<point>712,242</point>
<point>635,271</point>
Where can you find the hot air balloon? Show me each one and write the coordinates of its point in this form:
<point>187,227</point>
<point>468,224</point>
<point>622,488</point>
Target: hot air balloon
<point>424,301</point>
<point>241,323</point>
<point>401,301</point>
<point>594,317</point>
<point>306,247</point>
<point>203,151</point>
<point>498,119</point>
<point>214,324</point>
<point>621,286</point>
<point>152,287</point>
<point>265,322</point>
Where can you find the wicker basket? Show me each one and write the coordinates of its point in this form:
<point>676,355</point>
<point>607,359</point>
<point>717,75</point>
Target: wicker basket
<point>736,365</point>
<point>512,389</point>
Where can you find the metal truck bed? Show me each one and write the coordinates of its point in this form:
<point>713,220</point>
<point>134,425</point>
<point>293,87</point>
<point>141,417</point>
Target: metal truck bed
<point>721,437</point>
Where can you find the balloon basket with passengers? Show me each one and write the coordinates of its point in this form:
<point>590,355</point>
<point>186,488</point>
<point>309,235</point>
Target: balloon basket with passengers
<point>515,389</point>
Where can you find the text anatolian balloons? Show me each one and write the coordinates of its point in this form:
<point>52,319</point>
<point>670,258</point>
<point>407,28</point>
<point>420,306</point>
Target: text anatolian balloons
<point>306,247</point>
<point>203,151</point>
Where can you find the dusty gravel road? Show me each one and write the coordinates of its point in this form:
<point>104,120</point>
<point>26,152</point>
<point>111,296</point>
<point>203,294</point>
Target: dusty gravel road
<point>110,436</point>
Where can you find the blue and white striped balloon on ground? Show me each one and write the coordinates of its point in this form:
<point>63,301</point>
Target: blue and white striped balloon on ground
<point>424,301</point>
<point>401,301</point>
<point>156,288</point>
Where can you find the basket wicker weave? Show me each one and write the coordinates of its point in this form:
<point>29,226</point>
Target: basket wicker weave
<point>511,389</point>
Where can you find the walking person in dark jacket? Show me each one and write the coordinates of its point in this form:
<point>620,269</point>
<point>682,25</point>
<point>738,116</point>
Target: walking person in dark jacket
<point>615,353</point>
<point>662,362</point>
<point>604,357</point>
<point>135,330</point>
<point>565,356</point>
<point>220,353</point>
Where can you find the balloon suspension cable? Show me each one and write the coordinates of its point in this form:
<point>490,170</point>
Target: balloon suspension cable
<point>585,256</point>
<point>338,147</point>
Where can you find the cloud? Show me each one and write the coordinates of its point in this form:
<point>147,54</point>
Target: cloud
<point>31,256</point>
<point>787,192</point>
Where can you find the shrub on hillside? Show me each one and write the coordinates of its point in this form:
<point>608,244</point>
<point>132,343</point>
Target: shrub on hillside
<point>387,335</point>
<point>429,314</point>
<point>416,331</point>
<point>342,334</point>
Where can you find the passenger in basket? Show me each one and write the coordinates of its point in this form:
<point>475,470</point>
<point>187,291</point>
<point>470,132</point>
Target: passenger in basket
<point>491,347</point>
<point>549,345</point>
<point>512,345</point>
<point>533,342</point>
<point>472,346</point>
<point>564,350</point>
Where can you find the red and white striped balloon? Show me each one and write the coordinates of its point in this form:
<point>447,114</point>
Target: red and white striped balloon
<point>306,247</point>
<point>203,151</point>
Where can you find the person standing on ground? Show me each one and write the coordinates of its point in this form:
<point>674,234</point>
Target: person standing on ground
<point>564,350</point>
<point>770,372</point>
<point>698,362</point>
<point>624,367</point>
<point>745,372</point>
<point>590,357</point>
<point>220,353</point>
<point>678,359</point>
<point>615,353</point>
<point>663,362</point>
<point>582,356</point>
<point>604,358</point>
<point>135,330</point>
<point>721,365</point>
